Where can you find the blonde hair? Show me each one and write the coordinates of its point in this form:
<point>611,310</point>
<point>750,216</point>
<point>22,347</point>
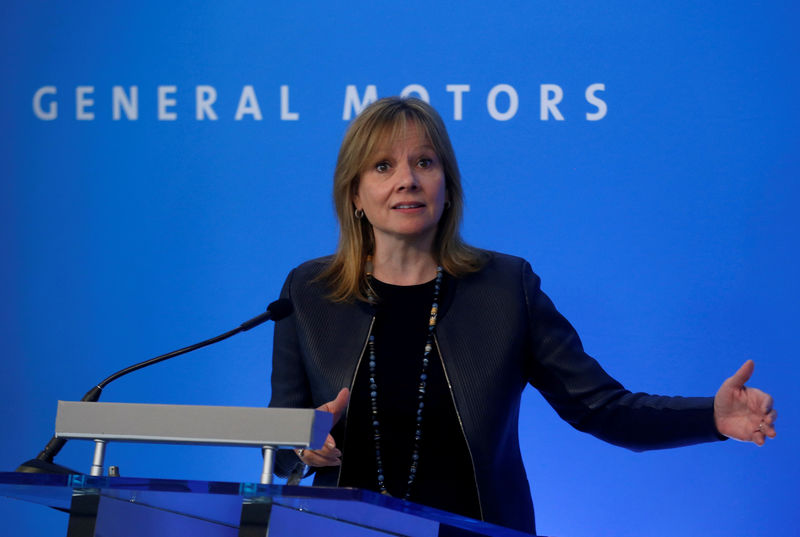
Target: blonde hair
<point>388,117</point>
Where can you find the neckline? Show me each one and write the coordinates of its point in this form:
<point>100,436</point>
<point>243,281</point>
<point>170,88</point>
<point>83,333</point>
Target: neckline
<point>381,283</point>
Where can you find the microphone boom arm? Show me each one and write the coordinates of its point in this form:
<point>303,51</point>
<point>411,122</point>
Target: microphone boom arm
<point>43,463</point>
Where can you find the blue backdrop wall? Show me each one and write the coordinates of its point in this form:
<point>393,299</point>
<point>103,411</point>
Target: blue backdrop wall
<point>165,166</point>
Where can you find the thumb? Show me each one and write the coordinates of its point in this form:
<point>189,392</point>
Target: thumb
<point>338,405</point>
<point>742,375</point>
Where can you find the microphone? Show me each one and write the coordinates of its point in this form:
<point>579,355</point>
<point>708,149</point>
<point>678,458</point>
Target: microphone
<point>43,463</point>
<point>276,311</point>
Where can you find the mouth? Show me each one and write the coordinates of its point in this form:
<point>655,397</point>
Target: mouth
<point>408,205</point>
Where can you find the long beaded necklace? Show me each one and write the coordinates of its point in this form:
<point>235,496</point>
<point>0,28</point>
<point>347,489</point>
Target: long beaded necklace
<point>421,386</point>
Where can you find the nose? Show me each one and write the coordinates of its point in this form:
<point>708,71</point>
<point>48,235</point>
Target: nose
<point>407,177</point>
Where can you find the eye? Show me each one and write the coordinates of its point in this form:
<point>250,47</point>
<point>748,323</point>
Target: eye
<point>425,162</point>
<point>382,167</point>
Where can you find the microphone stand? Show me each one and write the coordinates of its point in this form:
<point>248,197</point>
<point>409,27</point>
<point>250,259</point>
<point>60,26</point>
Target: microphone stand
<point>43,463</point>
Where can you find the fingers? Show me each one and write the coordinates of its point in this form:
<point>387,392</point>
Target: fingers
<point>743,374</point>
<point>766,404</point>
<point>327,455</point>
<point>767,426</point>
<point>318,458</point>
<point>338,405</point>
<point>772,415</point>
<point>760,436</point>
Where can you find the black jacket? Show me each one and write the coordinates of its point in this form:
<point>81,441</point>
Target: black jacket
<point>496,332</point>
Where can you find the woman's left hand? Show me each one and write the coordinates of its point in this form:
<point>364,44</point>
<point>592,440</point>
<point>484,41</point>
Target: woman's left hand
<point>744,413</point>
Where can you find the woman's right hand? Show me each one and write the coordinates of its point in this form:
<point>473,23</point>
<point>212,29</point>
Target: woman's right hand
<point>328,454</point>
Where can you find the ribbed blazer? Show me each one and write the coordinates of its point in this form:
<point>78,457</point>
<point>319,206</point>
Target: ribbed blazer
<point>496,332</point>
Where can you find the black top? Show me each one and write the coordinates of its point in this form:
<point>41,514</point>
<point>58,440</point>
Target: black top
<point>445,477</point>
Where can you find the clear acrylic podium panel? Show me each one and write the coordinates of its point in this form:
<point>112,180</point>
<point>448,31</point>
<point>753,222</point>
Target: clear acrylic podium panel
<point>168,507</point>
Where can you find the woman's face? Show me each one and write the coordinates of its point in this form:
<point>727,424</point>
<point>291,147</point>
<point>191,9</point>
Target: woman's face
<point>402,190</point>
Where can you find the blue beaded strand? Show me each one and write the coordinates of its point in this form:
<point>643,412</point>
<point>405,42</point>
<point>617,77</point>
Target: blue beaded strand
<point>423,377</point>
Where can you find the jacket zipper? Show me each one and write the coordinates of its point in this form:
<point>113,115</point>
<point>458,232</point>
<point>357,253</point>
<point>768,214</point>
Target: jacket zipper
<point>452,398</point>
<point>460,424</point>
<point>352,384</point>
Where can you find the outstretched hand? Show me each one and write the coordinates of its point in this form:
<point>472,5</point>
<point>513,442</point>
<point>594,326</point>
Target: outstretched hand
<point>744,413</point>
<point>328,454</point>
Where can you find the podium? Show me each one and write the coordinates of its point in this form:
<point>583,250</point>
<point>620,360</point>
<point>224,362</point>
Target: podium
<point>103,506</point>
<point>126,507</point>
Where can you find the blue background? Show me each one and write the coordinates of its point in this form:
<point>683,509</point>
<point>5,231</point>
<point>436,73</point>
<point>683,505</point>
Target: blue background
<point>666,231</point>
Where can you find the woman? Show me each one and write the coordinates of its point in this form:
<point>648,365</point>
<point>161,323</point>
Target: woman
<point>436,341</point>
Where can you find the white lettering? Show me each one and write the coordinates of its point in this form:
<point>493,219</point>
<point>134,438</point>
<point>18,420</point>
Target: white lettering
<point>513,102</point>
<point>591,98</point>
<point>248,104</point>
<point>82,102</point>
<point>547,105</point>
<point>164,101</point>
<point>352,103</point>
<point>418,89</point>
<point>285,114</point>
<point>457,90</point>
<point>121,101</point>
<point>204,97</point>
<point>52,109</point>
<point>502,102</point>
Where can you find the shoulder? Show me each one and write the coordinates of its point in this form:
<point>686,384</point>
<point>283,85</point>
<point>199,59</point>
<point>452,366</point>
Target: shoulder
<point>303,280</point>
<point>499,295</point>
<point>311,269</point>
<point>310,296</point>
<point>501,267</point>
<point>507,277</point>
<point>501,261</point>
